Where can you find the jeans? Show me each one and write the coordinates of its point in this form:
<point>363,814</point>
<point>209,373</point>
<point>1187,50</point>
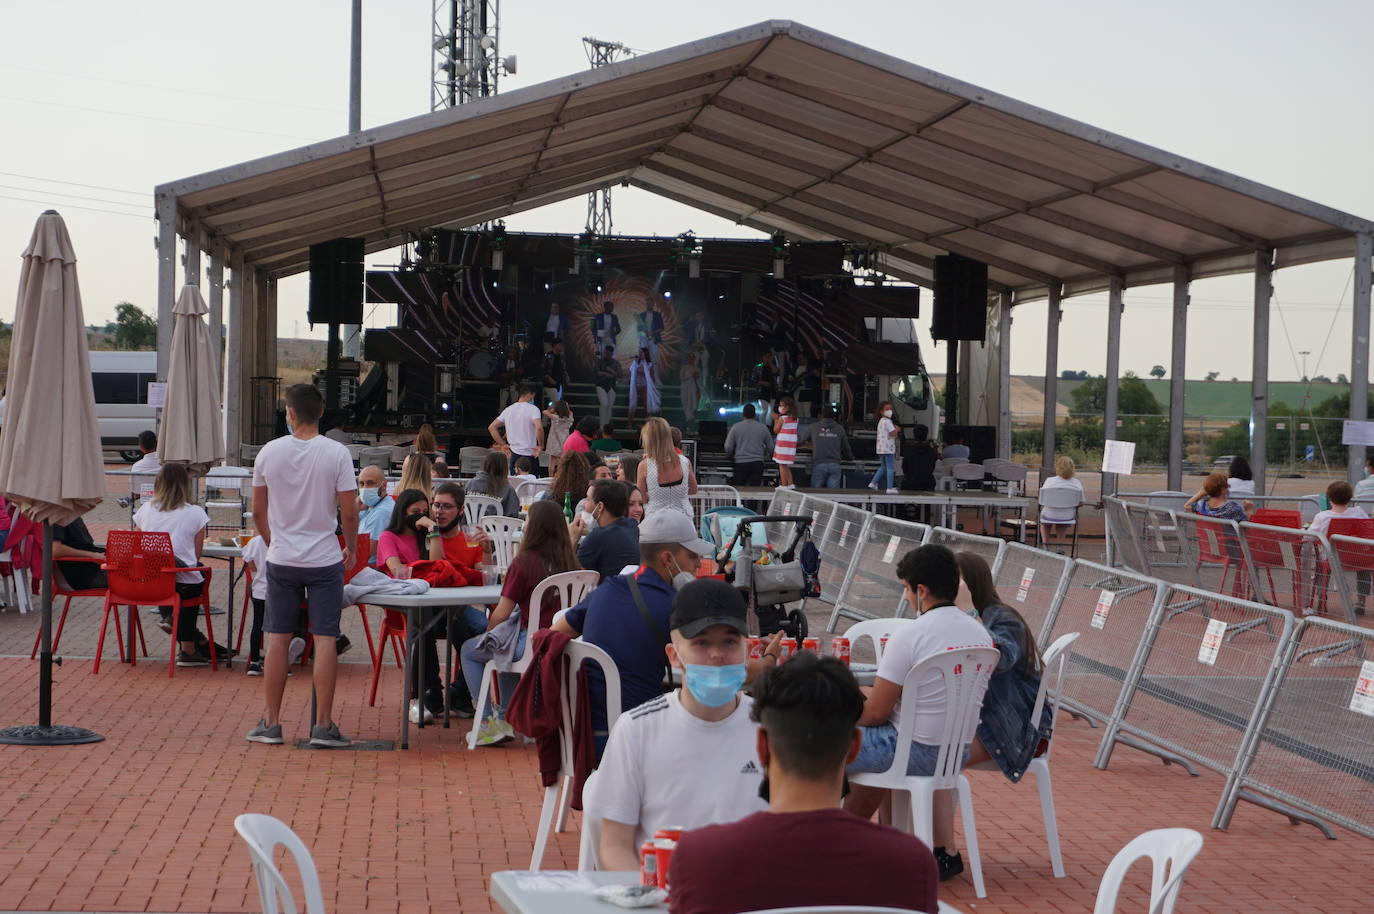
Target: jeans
<point>826,476</point>
<point>886,467</point>
<point>466,621</point>
<point>475,661</point>
<point>606,402</point>
<point>747,474</point>
<point>878,748</point>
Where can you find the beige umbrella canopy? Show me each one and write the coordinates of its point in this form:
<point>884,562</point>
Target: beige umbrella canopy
<point>191,431</point>
<point>50,457</point>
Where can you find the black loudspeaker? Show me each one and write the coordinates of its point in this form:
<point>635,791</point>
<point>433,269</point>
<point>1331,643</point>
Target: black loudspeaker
<point>336,282</point>
<point>961,299</point>
<point>711,431</point>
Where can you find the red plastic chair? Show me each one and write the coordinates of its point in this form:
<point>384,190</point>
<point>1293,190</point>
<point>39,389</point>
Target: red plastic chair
<point>1217,549</point>
<point>1272,550</point>
<point>1356,557</point>
<point>141,570</point>
<point>1277,517</point>
<point>59,591</point>
<point>393,632</point>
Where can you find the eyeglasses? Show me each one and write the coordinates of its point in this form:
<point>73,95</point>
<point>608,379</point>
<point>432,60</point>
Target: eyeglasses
<point>438,506</point>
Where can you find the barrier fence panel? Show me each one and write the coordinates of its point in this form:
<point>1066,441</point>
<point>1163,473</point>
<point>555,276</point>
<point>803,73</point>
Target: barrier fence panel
<point>988,547</point>
<point>785,502</point>
<point>1123,548</point>
<point>1197,693</point>
<point>1312,754</point>
<point>1216,555</point>
<point>1156,535</point>
<point>708,497</point>
<point>1289,565</point>
<point>1029,580</point>
<point>822,512</point>
<point>1111,610</point>
<point>1307,506</point>
<point>871,589</point>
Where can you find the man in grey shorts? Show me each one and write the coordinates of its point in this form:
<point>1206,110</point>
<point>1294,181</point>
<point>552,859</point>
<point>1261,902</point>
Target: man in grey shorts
<point>298,481</point>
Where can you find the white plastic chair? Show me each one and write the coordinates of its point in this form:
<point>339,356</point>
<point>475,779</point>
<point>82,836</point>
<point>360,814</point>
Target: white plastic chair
<point>505,533</point>
<point>476,507</point>
<point>571,587</point>
<point>1052,669</point>
<point>875,630</point>
<point>576,653</point>
<point>589,840</point>
<point>966,674</point>
<point>968,473</point>
<point>1059,499</point>
<point>263,835</point>
<point>470,460</point>
<point>532,489</point>
<point>379,457</point>
<point>1173,848</point>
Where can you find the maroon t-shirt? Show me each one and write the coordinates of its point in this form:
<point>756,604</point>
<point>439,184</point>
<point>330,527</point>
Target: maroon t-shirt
<point>826,857</point>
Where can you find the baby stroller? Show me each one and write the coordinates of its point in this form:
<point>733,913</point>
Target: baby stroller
<point>769,587</point>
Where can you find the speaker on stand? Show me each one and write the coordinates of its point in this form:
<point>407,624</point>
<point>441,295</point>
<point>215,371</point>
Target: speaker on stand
<point>336,297</point>
<point>961,313</point>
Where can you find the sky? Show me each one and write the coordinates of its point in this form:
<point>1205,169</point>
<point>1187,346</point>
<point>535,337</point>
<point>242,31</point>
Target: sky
<point>102,101</point>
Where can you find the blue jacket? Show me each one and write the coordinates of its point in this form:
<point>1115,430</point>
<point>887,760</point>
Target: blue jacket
<point>1005,727</point>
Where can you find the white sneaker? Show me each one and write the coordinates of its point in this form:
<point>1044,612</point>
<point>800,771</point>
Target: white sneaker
<point>894,491</point>
<point>295,652</point>
<point>873,486</point>
<point>415,713</point>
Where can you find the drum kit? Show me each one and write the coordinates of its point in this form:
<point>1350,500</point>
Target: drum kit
<point>488,359</point>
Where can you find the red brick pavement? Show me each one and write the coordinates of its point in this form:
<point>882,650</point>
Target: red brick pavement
<point>143,821</point>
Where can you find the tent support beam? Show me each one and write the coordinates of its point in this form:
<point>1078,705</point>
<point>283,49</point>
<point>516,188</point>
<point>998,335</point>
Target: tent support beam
<point>1359,348</point>
<point>166,207</point>
<point>1259,372</point>
<point>233,357</point>
<point>1053,315</point>
<point>1176,377</point>
<point>1004,375</point>
<point>215,299</point>
<point>1112,394</point>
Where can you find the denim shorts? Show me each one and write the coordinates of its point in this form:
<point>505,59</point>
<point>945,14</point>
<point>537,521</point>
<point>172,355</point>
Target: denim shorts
<point>879,746</point>
<point>288,586</point>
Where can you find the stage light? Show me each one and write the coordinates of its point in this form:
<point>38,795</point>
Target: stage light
<point>487,42</point>
<point>441,42</point>
<point>509,64</point>
<point>721,411</point>
<point>546,287</point>
<point>599,261</point>
<point>668,294</point>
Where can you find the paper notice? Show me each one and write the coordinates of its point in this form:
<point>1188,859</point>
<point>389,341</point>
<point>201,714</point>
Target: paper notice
<point>844,532</point>
<point>1104,606</point>
<point>157,394</point>
<point>1356,431</point>
<point>891,551</point>
<point>1362,702</point>
<point>1023,590</point>
<point>1211,642</point>
<point>1118,457</point>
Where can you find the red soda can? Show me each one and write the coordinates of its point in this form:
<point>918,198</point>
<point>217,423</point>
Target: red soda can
<point>755,648</point>
<point>811,644</point>
<point>786,648</point>
<point>671,832</point>
<point>648,864</point>
<point>882,645</point>
<point>839,649</point>
<point>663,850</point>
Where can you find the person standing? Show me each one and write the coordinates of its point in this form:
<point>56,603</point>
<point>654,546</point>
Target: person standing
<point>523,425</point>
<point>664,475</point>
<point>747,444</point>
<point>644,385</point>
<point>690,386</point>
<point>560,425</point>
<point>886,446</point>
<point>651,328</point>
<point>556,326</point>
<point>829,445</point>
<point>785,437</point>
<point>607,380</point>
<point>606,328</point>
<point>298,480</point>
<point>555,371</point>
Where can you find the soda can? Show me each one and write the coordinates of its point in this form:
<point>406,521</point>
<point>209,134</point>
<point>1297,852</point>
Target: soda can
<point>811,644</point>
<point>787,647</point>
<point>648,864</point>
<point>839,649</point>
<point>882,645</point>
<point>671,832</point>
<point>755,648</point>
<point>663,850</point>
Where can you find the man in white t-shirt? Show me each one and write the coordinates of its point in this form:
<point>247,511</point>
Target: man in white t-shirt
<point>930,576</point>
<point>523,427</point>
<point>298,481</point>
<point>149,462</point>
<point>688,758</point>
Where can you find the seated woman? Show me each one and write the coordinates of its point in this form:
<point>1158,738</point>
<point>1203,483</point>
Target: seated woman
<point>1241,479</point>
<point>173,510</point>
<point>1057,521</point>
<point>1213,500</point>
<point>416,473</point>
<point>425,444</point>
<point>545,550</point>
<point>494,481</point>
<point>1339,493</point>
<point>570,482</point>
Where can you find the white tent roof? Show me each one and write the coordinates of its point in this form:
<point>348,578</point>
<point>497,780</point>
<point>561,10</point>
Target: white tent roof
<point>782,127</point>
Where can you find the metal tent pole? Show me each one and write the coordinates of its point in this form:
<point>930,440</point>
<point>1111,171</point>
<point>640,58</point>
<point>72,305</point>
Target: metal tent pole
<point>1176,377</point>
<point>1259,372</point>
<point>1004,376</point>
<point>1053,315</point>
<point>1112,392</point>
<point>1359,348</point>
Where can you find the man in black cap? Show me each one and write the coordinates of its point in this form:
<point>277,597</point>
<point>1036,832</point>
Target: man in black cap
<point>685,759</point>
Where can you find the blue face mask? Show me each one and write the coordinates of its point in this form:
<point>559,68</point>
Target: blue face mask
<point>714,686</point>
<point>370,496</point>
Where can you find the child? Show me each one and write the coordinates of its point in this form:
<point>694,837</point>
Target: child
<point>255,567</point>
<point>886,446</point>
<point>560,425</point>
<point>524,471</point>
<point>785,441</point>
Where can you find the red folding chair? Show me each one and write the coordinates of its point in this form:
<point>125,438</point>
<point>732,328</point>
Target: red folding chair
<point>1356,557</point>
<point>60,591</point>
<point>393,632</point>
<point>141,570</point>
<point>1215,547</point>
<point>1277,517</point>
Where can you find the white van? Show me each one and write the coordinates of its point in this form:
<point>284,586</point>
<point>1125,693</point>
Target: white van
<point>120,383</point>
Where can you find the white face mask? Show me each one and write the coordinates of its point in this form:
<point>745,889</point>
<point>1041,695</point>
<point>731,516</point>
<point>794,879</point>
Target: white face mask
<point>887,413</point>
<point>682,578</point>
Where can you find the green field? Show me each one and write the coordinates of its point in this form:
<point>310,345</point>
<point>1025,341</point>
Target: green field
<point>1215,398</point>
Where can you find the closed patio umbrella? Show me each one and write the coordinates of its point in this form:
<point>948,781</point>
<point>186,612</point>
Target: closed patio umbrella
<point>191,429</point>
<point>50,458</point>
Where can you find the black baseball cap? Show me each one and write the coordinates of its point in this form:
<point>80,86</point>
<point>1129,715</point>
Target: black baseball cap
<point>706,602</point>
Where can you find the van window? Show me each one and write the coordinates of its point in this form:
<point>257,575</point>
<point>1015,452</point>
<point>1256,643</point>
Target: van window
<point>121,387</point>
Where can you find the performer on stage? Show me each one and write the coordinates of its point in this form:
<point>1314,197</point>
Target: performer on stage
<point>691,389</point>
<point>607,380</point>
<point>555,371</point>
<point>644,392</point>
<point>605,328</point>
<point>556,327</point>
<point>765,377</point>
<point>650,325</point>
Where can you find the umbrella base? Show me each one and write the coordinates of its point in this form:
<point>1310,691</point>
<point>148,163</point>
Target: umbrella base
<point>35,735</point>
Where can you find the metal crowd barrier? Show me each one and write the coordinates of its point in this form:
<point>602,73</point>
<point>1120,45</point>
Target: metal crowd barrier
<point>871,589</point>
<point>860,595</point>
<point>1032,582</point>
<point>822,513</point>
<point>988,547</point>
